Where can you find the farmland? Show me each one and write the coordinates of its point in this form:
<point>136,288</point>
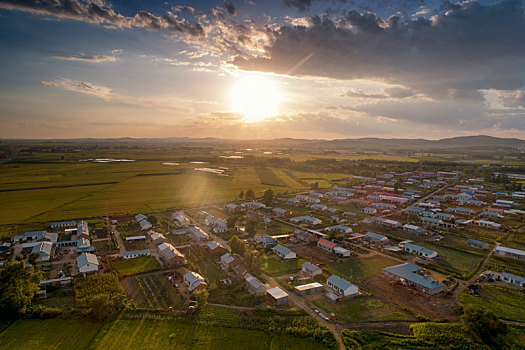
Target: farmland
<point>152,291</point>
<point>362,308</point>
<point>360,268</point>
<point>136,265</point>
<point>459,261</point>
<point>48,334</point>
<point>505,302</point>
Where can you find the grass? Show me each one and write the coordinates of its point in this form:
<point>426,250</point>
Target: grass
<point>211,271</point>
<point>362,308</point>
<point>136,265</point>
<point>268,177</point>
<point>360,268</point>
<point>456,260</point>
<point>506,303</point>
<point>277,267</point>
<point>48,334</point>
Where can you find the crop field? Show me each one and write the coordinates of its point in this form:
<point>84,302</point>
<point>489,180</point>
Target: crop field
<point>360,268</point>
<point>157,291</point>
<point>361,308</point>
<point>136,265</point>
<point>48,334</point>
<point>500,264</point>
<point>268,177</point>
<point>506,303</point>
<point>146,334</point>
<point>276,267</point>
<point>456,260</point>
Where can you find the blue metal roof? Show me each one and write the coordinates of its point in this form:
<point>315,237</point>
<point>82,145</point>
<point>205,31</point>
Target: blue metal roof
<point>408,272</point>
<point>341,283</point>
<point>419,248</point>
<point>281,249</point>
<point>375,236</point>
<point>475,241</point>
<point>136,252</point>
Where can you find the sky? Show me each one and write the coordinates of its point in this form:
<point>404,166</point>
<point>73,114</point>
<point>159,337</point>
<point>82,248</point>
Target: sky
<point>262,69</point>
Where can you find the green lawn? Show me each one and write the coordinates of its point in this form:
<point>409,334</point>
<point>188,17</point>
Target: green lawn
<point>211,271</point>
<point>136,265</point>
<point>276,267</point>
<point>362,308</point>
<point>360,268</point>
<point>48,334</point>
<point>506,303</point>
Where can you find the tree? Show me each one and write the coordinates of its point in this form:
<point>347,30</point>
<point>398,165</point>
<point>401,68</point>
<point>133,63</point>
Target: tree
<point>201,298</point>
<point>152,219</point>
<point>241,195</point>
<point>250,226</point>
<point>237,246</point>
<point>99,307</point>
<point>268,197</point>
<point>33,257</point>
<point>231,221</point>
<point>483,323</point>
<point>250,195</point>
<point>18,285</point>
<point>19,257</point>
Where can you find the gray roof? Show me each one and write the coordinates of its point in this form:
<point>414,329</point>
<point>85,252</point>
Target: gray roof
<point>86,258</point>
<point>407,271</point>
<point>341,283</point>
<point>281,249</point>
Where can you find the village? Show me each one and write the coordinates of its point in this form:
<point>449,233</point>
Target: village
<point>398,239</point>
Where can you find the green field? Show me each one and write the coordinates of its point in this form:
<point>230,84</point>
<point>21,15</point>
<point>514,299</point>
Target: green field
<point>155,291</point>
<point>508,304</point>
<point>48,334</point>
<point>136,265</point>
<point>277,267</point>
<point>362,308</point>
<point>459,261</point>
<point>360,268</point>
<point>502,264</point>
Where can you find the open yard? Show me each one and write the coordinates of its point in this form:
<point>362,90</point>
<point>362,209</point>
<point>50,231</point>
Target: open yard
<point>357,268</point>
<point>136,265</point>
<point>152,291</point>
<point>48,334</point>
<point>455,260</point>
<point>275,267</point>
<point>362,308</point>
<point>506,303</point>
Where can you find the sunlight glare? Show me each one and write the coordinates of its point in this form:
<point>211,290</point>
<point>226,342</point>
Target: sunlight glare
<point>256,97</point>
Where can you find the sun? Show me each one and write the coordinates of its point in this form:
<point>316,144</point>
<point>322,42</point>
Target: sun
<point>256,97</point>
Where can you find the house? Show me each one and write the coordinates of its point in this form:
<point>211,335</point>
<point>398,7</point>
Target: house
<point>87,263</point>
<point>411,275</point>
<point>29,236</point>
<point>63,224</point>
<point>267,222</point>
<point>265,241</point>
<point>215,247</point>
<point>157,238</point>
<point>278,295</point>
<point>305,236</point>
<point>307,289</point>
<point>284,252</point>
<point>135,238</point>
<point>431,221</point>
<point>214,221</point>
<point>84,246</point>
<point>477,244</point>
<point>198,234</point>
<point>419,250</point>
<point>390,223</point>
<point>170,255</point>
<point>369,210</point>
<point>339,229</point>
<point>179,219</point>
<point>251,214</point>
<point>513,279</point>
<point>233,208</point>
<point>308,220</point>
<point>140,217</point>
<point>311,269</point>
<point>461,211</point>
<point>342,252</point>
<point>44,249</point>
<point>135,254</point>
<point>341,287</point>
<point>253,205</point>
<point>280,212</point>
<point>414,229</point>
<point>228,261</point>
<point>488,224</point>
<point>82,230</point>
<point>194,281</point>
<point>326,245</point>
<point>491,214</point>
<point>254,285</point>
<point>510,252</point>
<point>319,207</point>
<point>145,225</point>
<point>376,238</point>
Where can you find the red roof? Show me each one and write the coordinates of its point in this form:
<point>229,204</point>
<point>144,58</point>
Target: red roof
<point>327,243</point>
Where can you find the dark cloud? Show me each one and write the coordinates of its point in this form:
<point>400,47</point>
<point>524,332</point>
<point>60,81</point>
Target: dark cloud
<point>301,5</point>
<point>97,11</point>
<point>470,47</point>
<point>230,8</point>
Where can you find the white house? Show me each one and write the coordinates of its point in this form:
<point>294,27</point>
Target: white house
<point>419,250</point>
<point>87,263</point>
<point>341,286</point>
<point>510,252</point>
<point>311,269</point>
<point>283,252</point>
<point>340,251</point>
<point>194,281</point>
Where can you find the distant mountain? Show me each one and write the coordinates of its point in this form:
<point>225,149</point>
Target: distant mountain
<point>480,142</point>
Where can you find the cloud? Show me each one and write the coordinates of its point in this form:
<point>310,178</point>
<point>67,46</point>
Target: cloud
<point>301,5</point>
<point>88,58</point>
<point>99,12</point>
<point>469,47</point>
